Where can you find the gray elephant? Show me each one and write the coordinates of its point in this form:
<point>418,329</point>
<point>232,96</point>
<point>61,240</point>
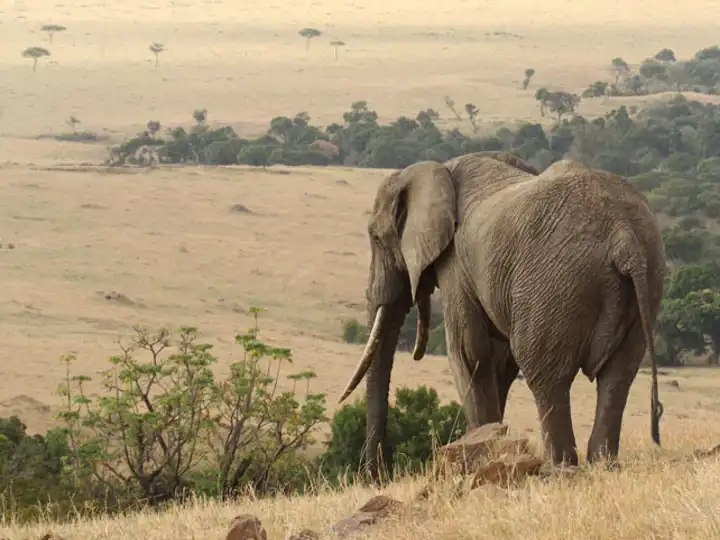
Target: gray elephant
<point>551,273</point>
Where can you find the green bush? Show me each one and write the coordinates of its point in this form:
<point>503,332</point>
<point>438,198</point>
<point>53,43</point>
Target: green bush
<point>355,332</point>
<point>417,424</point>
<point>164,426</point>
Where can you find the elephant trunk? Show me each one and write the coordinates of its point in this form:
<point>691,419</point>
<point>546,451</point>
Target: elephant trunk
<point>377,451</point>
<point>423,326</point>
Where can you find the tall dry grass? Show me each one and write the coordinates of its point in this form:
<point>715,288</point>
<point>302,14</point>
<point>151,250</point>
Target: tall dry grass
<point>656,494</point>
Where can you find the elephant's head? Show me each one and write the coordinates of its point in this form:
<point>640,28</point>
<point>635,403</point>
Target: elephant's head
<point>413,221</point>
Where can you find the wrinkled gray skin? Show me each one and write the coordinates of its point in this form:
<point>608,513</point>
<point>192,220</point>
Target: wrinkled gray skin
<point>551,273</point>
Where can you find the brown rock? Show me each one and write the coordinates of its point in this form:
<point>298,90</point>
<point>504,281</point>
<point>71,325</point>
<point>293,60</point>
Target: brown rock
<point>246,527</point>
<point>476,448</point>
<point>380,506</point>
<point>509,468</point>
<point>351,524</point>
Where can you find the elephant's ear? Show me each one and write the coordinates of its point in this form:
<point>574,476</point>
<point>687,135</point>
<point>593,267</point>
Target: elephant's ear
<point>428,208</point>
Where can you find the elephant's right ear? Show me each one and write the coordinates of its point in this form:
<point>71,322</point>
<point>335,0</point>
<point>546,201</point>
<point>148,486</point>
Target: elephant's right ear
<point>428,208</point>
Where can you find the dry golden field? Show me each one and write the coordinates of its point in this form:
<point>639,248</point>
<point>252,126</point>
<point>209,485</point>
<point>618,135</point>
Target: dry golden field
<point>168,241</point>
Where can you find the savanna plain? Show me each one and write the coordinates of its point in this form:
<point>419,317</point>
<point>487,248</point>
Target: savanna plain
<point>95,249</point>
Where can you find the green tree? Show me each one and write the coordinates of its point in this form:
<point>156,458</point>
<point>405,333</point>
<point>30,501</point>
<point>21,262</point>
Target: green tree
<point>687,278</point>
<point>596,89</point>
<point>529,73</point>
<point>35,53</point>
<point>701,315</point>
<point>336,44</point>
<point>542,95</point>
<point>308,34</point>
<point>620,67</point>
<point>51,29</point>
<point>674,337</point>
<point>562,103</point>
<point>450,104</point>
<point>665,55</point>
<point>685,246</point>
<point>156,49</point>
<point>472,112</point>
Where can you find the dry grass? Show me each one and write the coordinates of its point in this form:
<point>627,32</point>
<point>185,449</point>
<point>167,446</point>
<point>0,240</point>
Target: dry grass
<point>168,241</point>
<point>652,497</point>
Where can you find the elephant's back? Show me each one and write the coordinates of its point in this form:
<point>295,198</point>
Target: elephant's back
<point>591,202</point>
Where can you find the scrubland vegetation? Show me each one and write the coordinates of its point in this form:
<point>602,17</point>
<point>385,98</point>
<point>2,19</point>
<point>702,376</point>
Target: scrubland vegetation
<point>165,430</point>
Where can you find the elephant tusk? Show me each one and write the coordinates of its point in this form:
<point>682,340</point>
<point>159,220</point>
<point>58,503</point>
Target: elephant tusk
<point>423,326</point>
<point>368,354</point>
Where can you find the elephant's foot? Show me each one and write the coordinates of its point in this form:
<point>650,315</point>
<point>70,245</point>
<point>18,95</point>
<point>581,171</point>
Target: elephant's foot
<point>557,428</point>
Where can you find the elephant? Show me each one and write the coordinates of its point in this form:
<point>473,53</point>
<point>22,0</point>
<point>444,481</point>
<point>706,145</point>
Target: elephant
<point>547,273</point>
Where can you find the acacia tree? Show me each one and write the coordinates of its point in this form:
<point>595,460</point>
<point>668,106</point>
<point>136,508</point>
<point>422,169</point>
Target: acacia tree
<point>562,103</point>
<point>51,29</point>
<point>156,49</point>
<point>72,121</point>
<point>450,104</point>
<point>35,53</point>
<point>336,44</point>
<point>308,34</point>
<point>528,75</point>
<point>472,112</point>
<point>596,89</point>
<point>541,95</point>
<point>701,316</point>
<point>665,55</point>
<point>620,67</point>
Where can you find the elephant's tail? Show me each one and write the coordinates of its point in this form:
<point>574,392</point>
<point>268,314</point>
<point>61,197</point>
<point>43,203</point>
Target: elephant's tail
<point>630,259</point>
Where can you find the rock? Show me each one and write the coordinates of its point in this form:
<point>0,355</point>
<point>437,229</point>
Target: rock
<point>305,534</point>
<point>509,468</point>
<point>476,448</point>
<point>380,506</point>
<point>51,536</point>
<point>246,527</point>
<point>240,209</point>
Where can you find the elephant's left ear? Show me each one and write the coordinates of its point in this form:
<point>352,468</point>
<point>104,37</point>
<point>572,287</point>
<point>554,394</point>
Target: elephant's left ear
<point>430,216</point>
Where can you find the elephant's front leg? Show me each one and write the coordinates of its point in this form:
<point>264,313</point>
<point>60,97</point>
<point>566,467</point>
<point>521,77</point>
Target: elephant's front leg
<point>471,359</point>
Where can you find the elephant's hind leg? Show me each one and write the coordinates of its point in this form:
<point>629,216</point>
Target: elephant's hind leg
<point>613,386</point>
<point>506,370</point>
<point>549,373</point>
<point>470,353</point>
